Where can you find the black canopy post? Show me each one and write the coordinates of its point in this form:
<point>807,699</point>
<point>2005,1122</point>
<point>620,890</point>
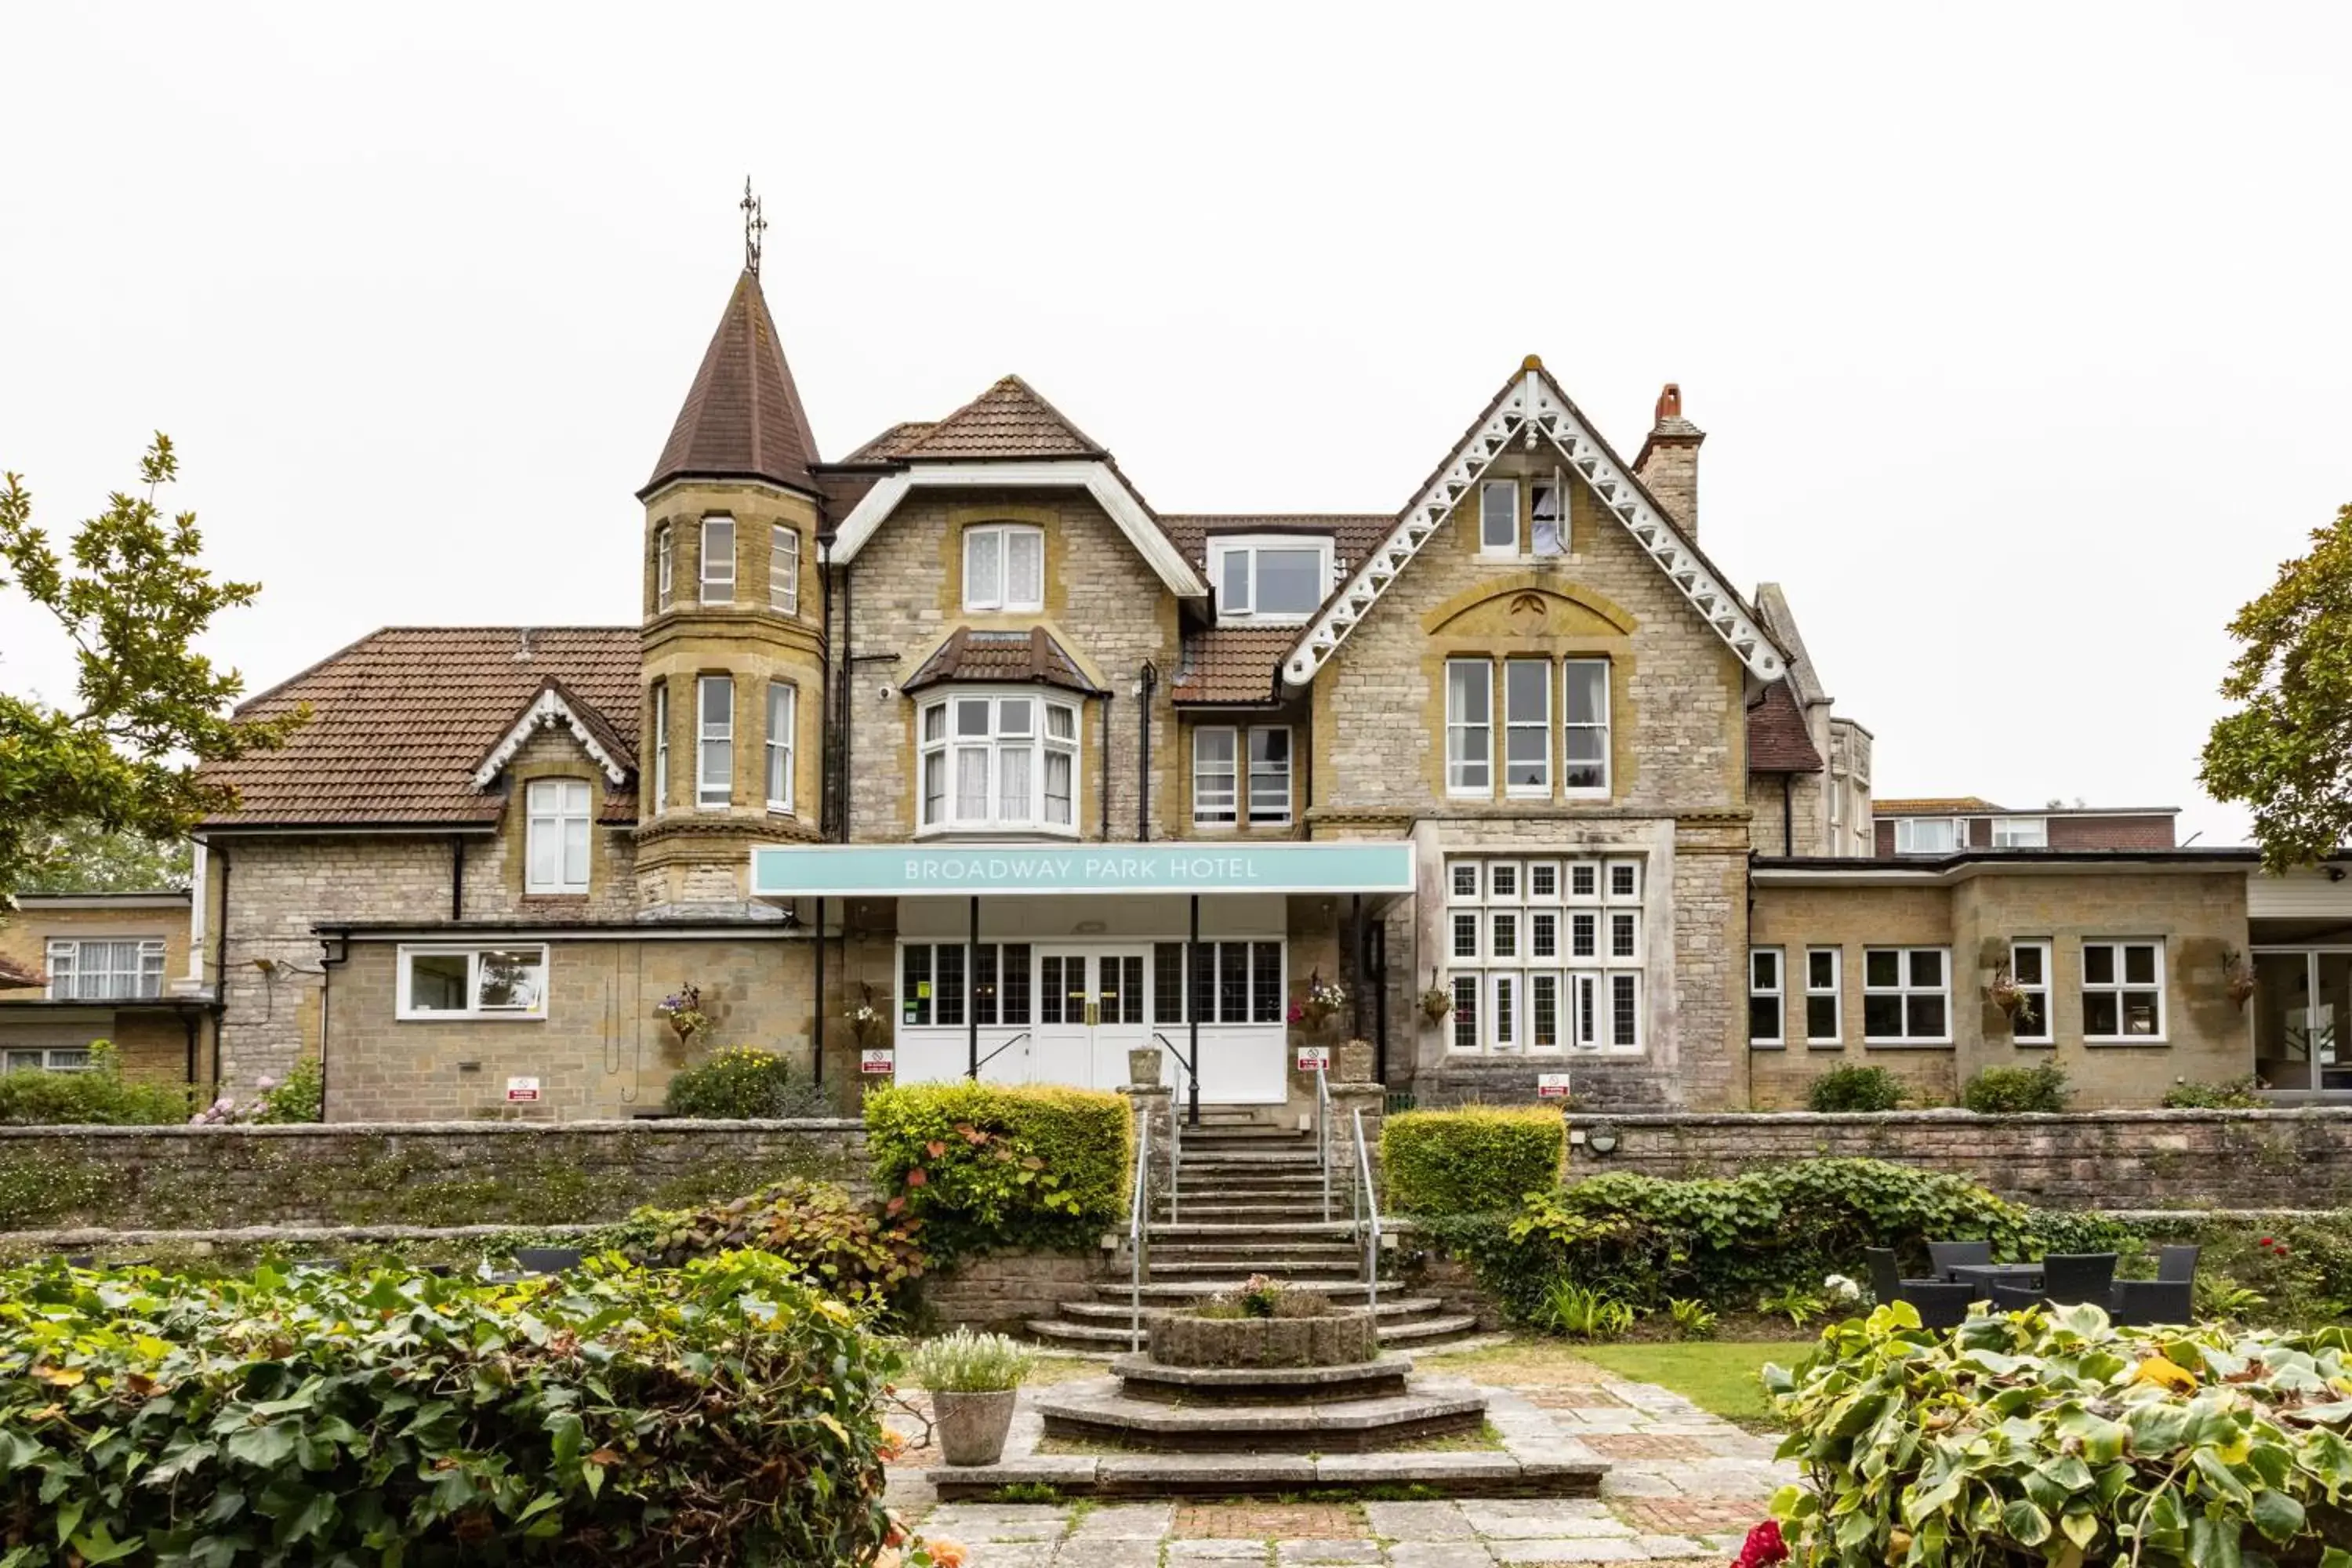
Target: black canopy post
<point>1356,954</point>
<point>816,1044</point>
<point>1193,1012</point>
<point>971,997</point>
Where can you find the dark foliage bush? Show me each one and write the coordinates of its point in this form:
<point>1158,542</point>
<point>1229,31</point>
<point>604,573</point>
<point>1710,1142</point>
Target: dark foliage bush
<point>986,1165</point>
<point>724,1413</point>
<point>1471,1160</point>
<point>2232,1094</point>
<point>845,1248</point>
<point>1853,1088</point>
<point>744,1083</point>
<point>98,1096</point>
<point>2014,1091</point>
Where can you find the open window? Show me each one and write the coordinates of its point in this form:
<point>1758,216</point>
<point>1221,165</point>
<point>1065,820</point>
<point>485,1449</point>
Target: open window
<point>1275,580</point>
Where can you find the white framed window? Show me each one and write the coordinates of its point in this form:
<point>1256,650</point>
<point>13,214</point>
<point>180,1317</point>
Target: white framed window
<point>2122,990</point>
<point>714,741</point>
<point>999,760</point>
<point>784,570</point>
<point>661,745</point>
<point>2028,967</point>
<point>105,968</point>
<point>1547,515</point>
<point>1270,580</point>
<point>1469,726</point>
<point>440,981</point>
<point>1498,517</point>
<point>663,571</point>
<point>1926,835</point>
<point>1906,996</point>
<point>1005,568</point>
<point>1766,998</point>
<point>1529,975</point>
<point>1218,779</point>
<point>783,704</point>
<point>2020,833</point>
<point>555,856</point>
<point>717,560</point>
<point>1584,727</point>
<point>1527,726</point>
<point>1002,986</point>
<point>1824,997</point>
<point>46,1058</point>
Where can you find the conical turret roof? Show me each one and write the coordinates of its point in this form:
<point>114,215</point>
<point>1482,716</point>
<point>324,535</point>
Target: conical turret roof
<point>742,418</point>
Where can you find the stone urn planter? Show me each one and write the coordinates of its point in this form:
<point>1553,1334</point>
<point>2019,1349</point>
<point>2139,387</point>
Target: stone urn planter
<point>971,1427</point>
<point>1143,1067</point>
<point>1355,1061</point>
<point>1339,1339</point>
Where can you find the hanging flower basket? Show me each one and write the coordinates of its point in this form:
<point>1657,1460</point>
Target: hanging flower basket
<point>683,1011</point>
<point>867,1020</point>
<point>1436,1003</point>
<point>1322,1002</point>
<point>2238,977</point>
<point>2015,1002</point>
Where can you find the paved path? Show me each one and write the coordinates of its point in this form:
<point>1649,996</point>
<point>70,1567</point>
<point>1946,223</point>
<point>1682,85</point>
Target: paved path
<point>1685,1487</point>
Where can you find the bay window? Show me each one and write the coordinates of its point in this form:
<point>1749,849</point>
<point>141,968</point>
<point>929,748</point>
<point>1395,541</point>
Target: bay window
<point>999,760</point>
<point>1005,568</point>
<point>714,744</point>
<point>662,581</point>
<point>1525,975</point>
<point>782,701</point>
<point>661,745</point>
<point>784,570</point>
<point>556,838</point>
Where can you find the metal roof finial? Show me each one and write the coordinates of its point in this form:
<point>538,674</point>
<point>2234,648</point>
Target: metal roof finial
<point>754,226</point>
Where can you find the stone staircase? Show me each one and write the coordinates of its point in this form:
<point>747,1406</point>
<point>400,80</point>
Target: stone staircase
<point>1249,1200</point>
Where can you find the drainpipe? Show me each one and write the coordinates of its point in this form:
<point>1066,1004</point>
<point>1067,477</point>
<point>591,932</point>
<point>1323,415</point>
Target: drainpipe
<point>1788,814</point>
<point>1147,680</point>
<point>189,1020</point>
<point>341,947</point>
<point>824,699</point>
<point>220,968</point>
<point>1356,955</point>
<point>817,1051</point>
<point>848,703</point>
<point>456,879</point>
<point>1106,697</point>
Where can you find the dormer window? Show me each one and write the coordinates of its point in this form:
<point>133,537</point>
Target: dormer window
<point>1004,568</point>
<point>1276,580</point>
<point>556,852</point>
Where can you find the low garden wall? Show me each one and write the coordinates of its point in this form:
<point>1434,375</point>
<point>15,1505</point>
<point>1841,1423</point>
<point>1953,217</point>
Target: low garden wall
<point>2290,1159</point>
<point>406,1173</point>
<point>1007,1290</point>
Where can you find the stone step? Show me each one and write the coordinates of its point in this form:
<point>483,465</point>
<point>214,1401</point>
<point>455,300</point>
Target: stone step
<point>1274,1265</point>
<point>1392,1307</point>
<point>1343,1289</point>
<point>1291,1252</point>
<point>1098,1409</point>
<point>1428,1330</point>
<point>1243,1135</point>
<point>1280,1232</point>
<point>1574,1473</point>
<point>1214,1161</point>
<point>1307,1179</point>
<point>1141,1377</point>
<point>1098,1334</point>
<point>1303,1209</point>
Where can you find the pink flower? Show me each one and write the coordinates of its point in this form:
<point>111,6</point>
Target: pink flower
<point>1762,1547</point>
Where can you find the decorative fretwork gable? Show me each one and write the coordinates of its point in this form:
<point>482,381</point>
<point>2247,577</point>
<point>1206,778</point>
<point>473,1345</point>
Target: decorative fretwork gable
<point>553,706</point>
<point>1532,409</point>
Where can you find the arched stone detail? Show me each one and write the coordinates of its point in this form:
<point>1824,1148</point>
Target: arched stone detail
<point>1529,604</point>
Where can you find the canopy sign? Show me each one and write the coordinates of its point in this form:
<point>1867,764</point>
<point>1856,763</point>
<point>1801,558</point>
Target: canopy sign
<point>913,870</point>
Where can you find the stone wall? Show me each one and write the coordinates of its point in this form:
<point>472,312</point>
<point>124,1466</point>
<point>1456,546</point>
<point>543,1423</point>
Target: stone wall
<point>2299,1159</point>
<point>433,1174</point>
<point>1007,1290</point>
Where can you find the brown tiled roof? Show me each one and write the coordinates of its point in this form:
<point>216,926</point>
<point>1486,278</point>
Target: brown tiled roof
<point>1776,740</point>
<point>742,417</point>
<point>1030,655</point>
<point>1008,420</point>
<point>401,719</point>
<point>1931,805</point>
<point>1230,664</point>
<point>14,976</point>
<point>1238,664</point>
<point>893,442</point>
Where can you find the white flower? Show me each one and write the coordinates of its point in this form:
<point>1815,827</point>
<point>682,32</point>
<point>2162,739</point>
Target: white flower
<point>1842,1288</point>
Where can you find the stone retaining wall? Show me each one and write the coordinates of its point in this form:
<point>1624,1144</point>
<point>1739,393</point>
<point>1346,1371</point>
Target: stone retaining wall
<point>1006,1290</point>
<point>2299,1158</point>
<point>428,1173</point>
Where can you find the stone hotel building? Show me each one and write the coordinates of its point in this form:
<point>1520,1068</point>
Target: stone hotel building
<point>961,722</point>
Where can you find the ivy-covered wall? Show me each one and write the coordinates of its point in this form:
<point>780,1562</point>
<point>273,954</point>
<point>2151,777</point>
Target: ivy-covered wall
<point>428,1173</point>
<point>2288,1159</point>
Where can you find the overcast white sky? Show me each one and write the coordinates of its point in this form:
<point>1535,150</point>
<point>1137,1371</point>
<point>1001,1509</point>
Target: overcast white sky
<point>2020,332</point>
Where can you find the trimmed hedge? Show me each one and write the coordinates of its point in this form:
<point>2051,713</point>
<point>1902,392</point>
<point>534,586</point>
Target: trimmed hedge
<point>1844,1090</point>
<point>984,1166</point>
<point>99,1097</point>
<point>2056,1437</point>
<point>1477,1158</point>
<point>722,1413</point>
<point>2016,1091</point>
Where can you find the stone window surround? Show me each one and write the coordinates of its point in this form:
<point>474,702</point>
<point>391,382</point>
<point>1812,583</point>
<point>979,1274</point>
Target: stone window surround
<point>1557,727</point>
<point>546,810</point>
<point>784,568</point>
<point>705,559</point>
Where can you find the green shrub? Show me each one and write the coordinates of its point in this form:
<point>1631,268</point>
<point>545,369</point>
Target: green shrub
<point>1582,1312</point>
<point>985,1165</point>
<point>2231,1094</point>
<point>844,1247</point>
<point>744,1083</point>
<point>723,1413</point>
<point>1479,1158</point>
<point>301,1098</point>
<point>1692,1319</point>
<point>2056,1437</point>
<point>1853,1089</point>
<point>96,1095</point>
<point>967,1363</point>
<point>2012,1091</point>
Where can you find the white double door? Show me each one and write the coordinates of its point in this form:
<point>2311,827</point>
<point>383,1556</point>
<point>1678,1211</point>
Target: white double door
<point>1094,1006</point>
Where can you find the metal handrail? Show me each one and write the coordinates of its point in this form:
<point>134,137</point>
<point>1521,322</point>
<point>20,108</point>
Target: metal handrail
<point>1000,1051</point>
<point>1175,1129</point>
<point>1323,1135</point>
<point>1139,1205</point>
<point>1371,1209</point>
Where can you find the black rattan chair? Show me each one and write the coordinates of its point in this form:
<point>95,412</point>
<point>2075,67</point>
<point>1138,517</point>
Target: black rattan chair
<point>1947,1256</point>
<point>2141,1301</point>
<point>2068,1278</point>
<point>2015,1298</point>
<point>2177,1264</point>
<point>1940,1306</point>
<point>546,1260</point>
<point>1886,1282</point>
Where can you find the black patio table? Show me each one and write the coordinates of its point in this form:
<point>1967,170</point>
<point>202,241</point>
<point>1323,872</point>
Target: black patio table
<point>1985,1275</point>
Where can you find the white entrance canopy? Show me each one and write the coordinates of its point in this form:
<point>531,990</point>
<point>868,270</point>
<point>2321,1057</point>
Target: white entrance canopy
<point>996,870</point>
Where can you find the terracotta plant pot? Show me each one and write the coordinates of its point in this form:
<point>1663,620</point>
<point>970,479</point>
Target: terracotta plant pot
<point>970,1428</point>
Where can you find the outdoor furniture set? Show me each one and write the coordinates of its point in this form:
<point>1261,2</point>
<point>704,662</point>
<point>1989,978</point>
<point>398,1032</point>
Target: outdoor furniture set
<point>1965,1273</point>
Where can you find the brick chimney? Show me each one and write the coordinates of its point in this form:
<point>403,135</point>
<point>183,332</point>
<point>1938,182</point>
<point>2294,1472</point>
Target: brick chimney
<point>1669,459</point>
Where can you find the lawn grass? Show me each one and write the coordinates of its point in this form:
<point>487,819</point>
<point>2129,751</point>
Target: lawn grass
<point>1717,1375</point>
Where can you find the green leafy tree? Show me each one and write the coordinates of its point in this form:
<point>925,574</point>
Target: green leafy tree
<point>150,710</point>
<point>83,857</point>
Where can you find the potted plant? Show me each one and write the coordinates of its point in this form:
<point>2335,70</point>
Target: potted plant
<point>1436,1002</point>
<point>973,1381</point>
<point>2015,1002</point>
<point>683,1010</point>
<point>1322,1002</point>
<point>2237,976</point>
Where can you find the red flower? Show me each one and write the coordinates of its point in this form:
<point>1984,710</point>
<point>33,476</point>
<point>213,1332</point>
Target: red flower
<point>1762,1547</point>
<point>2266,1241</point>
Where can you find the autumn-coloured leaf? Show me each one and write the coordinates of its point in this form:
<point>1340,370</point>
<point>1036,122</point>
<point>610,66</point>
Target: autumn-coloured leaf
<point>62,1377</point>
<point>916,1177</point>
<point>896,1206</point>
<point>1033,1163</point>
<point>605,1456</point>
<point>935,1148</point>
